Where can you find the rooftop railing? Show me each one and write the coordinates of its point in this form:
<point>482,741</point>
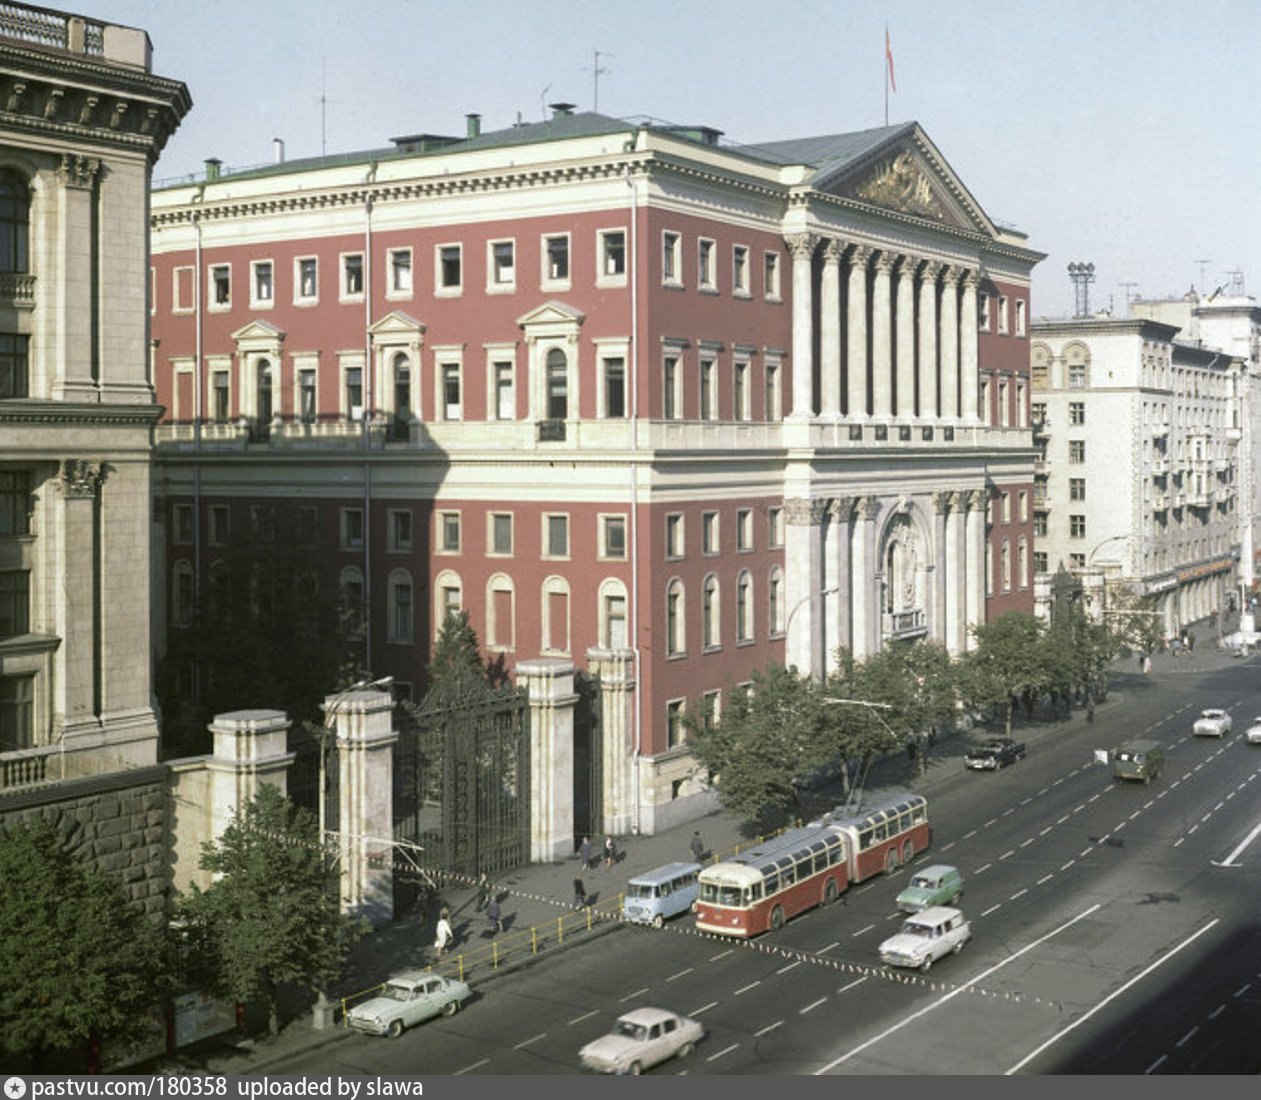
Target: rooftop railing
<point>46,27</point>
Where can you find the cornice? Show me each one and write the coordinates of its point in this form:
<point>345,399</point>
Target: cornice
<point>76,412</point>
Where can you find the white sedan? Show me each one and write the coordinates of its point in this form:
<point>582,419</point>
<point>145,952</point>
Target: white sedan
<point>1212,723</point>
<point>640,1039</point>
<point>1253,733</point>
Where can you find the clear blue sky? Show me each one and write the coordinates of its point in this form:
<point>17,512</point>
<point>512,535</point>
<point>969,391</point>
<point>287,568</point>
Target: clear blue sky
<point>1123,132</point>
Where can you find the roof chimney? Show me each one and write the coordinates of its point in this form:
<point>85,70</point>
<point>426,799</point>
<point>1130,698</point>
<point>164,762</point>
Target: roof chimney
<point>278,147</point>
<point>474,125</point>
<point>213,164</point>
<point>560,110</point>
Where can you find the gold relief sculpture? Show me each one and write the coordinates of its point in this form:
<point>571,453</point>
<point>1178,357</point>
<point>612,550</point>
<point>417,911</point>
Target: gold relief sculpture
<point>900,185</point>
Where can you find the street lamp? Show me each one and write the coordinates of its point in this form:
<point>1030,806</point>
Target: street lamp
<point>330,717</point>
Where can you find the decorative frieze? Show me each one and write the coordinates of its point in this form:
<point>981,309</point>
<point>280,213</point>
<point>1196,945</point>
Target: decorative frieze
<point>800,512</point>
<point>81,479</point>
<point>77,171</point>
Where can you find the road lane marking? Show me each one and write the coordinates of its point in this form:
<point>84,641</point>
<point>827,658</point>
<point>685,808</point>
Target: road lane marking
<point>1217,1012</point>
<point>768,1028</point>
<point>1084,853</point>
<point>969,836</point>
<point>990,822</point>
<point>856,981</point>
<point>722,954</point>
<point>1111,997</point>
<point>1066,866</point>
<point>1229,861</point>
<point>631,996</point>
<point>825,950</point>
<point>1018,894</point>
<point>1009,810</point>
<point>584,1016</point>
<point>953,993</point>
<point>1026,843</point>
<point>469,1069</point>
<point>725,1050</point>
<point>1044,878</point>
<point>1179,841</point>
<point>1136,813</point>
<point>1187,1036</point>
<point>949,846</point>
<point>1062,819</point>
<point>981,870</point>
<point>681,973</point>
<point>533,1039</point>
<point>1009,852</point>
<point>703,1008</point>
<point>862,930</point>
<point>746,988</point>
<point>1243,989</point>
<point>991,909</point>
<point>1046,830</point>
<point>1152,1068</point>
<point>812,1006</point>
<point>790,966</point>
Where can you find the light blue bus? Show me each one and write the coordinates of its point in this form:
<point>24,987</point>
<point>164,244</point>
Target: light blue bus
<point>660,893</point>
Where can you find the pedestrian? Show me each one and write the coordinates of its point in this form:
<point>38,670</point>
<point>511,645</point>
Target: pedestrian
<point>492,915</point>
<point>483,891</point>
<point>698,846</point>
<point>443,935</point>
<point>610,852</point>
<point>580,894</point>
<point>1147,664</point>
<point>584,853</point>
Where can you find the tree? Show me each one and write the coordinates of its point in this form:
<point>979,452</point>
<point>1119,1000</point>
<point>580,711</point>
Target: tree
<point>1005,665</point>
<point>767,735</point>
<point>77,959</point>
<point>456,671</point>
<point>272,915</point>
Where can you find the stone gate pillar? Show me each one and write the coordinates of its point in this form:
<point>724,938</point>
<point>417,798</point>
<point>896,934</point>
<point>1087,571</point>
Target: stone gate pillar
<point>365,770</point>
<point>250,750</point>
<point>550,683</point>
<point>616,671</point>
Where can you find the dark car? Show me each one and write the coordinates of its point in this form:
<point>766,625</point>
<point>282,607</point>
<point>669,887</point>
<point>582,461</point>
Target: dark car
<point>994,754</point>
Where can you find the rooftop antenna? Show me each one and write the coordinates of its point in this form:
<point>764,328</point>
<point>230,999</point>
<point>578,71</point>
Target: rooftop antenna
<point>1082,275</point>
<point>1235,286</point>
<point>324,102</point>
<point>1128,296</point>
<point>596,72</point>
<point>543,102</point>
<point>1203,264</point>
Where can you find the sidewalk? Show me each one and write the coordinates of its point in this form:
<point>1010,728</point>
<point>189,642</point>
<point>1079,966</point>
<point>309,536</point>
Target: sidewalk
<point>541,895</point>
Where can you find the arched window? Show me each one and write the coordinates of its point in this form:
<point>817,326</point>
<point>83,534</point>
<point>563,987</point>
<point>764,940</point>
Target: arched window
<point>775,593</point>
<point>264,404</point>
<point>1006,566</point>
<point>15,222</point>
<point>744,608</point>
<point>555,615</point>
<point>710,613</point>
<point>448,592</point>
<point>557,385</point>
<point>399,608</point>
<point>500,612</point>
<point>613,632</point>
<point>675,609</point>
<point>402,389</point>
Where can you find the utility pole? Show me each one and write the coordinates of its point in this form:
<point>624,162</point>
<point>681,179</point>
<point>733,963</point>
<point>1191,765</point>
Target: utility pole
<point>596,71</point>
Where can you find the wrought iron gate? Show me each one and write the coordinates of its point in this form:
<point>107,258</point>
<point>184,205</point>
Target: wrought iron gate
<point>588,759</point>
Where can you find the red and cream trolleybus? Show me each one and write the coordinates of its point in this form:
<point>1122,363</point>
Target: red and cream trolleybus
<point>762,888</point>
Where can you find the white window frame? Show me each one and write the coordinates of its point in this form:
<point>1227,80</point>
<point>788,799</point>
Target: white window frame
<point>676,536</point>
<point>775,528</point>
<point>711,613</point>
<point>613,589</point>
<point>300,298</point>
<point>1021,317</point>
<point>394,544</point>
<point>257,300</point>
<point>495,642</point>
<point>671,258</point>
<point>346,539</point>
<point>608,349</point>
<point>219,525</point>
<point>491,550</point>
<point>440,289</point>
<point>394,292</point>
<point>303,370</point>
<point>708,397</point>
<point>179,305</point>
<point>213,305</point>
<point>393,635</point>
<point>772,276</point>
<point>745,604</point>
<point>449,364</point>
<point>444,583</point>
<point>741,390</point>
<point>1002,315</point>
<point>603,277</point>
<point>744,531</point>
<point>671,384</point>
<point>497,355</point>
<point>711,534</point>
<point>545,545</point>
<point>501,281</point>
<point>740,284</point>
<point>441,516</point>
<point>676,624</point>
<point>548,281</point>
<point>775,601</point>
<point>604,520</point>
<point>554,585</point>
<point>983,320</point>
<point>773,387</point>
<point>707,265</point>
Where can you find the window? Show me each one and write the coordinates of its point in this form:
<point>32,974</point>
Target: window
<point>1077,376</point>
<point>306,281</point>
<point>556,536</point>
<point>1021,306</point>
<point>1076,488</point>
<point>614,635</point>
<point>744,608</point>
<point>612,256</point>
<point>674,619</point>
<point>1006,565</point>
<point>15,217</point>
<point>352,275</point>
<point>400,607</point>
<point>451,391</point>
<point>449,532</point>
<point>1077,526</point>
<point>775,527</point>
<point>351,528</point>
<point>15,602</point>
<point>499,537</point>
<point>220,286</point>
<point>351,589</point>
<point>1039,561</point>
<point>557,385</point>
<point>709,533</point>
<point>1077,450</point>
<point>502,265</point>
<point>613,538</point>
<point>449,278</point>
<point>1039,413</point>
<point>671,389</point>
<point>1002,315</point>
<point>181,595</point>
<point>709,390</point>
<point>220,519</point>
<point>740,270</point>
<point>183,297</point>
<point>706,276</point>
<point>744,529</point>
<point>402,368</point>
<point>671,259</point>
<point>500,612</point>
<point>399,272</point>
<point>1004,406</point>
<point>740,392</point>
<point>615,388</point>
<point>770,275</point>
<point>556,260</point>
<point>450,598</point>
<point>14,372</point>
<point>261,290</point>
<point>15,502</point>
<point>220,407</point>
<point>1024,506</point>
<point>775,593</point>
<point>674,535</point>
<point>400,529</point>
<point>774,392</point>
<point>555,615</point>
<point>675,730</point>
<point>182,533</point>
<point>505,392</point>
<point>17,713</point>
<point>354,392</point>
<point>1005,505</point>
<point>306,395</point>
<point>263,407</point>
<point>1077,412</point>
<point>709,613</point>
<point>983,312</point>
<point>1022,564</point>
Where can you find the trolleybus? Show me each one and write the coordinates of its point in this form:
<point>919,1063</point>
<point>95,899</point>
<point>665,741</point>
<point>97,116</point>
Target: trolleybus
<point>762,888</point>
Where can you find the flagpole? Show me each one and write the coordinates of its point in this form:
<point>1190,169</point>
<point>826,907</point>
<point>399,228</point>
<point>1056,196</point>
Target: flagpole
<point>886,76</point>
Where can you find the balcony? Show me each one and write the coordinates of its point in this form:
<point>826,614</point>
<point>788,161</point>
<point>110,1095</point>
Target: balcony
<point>26,768</point>
<point>897,625</point>
<point>1160,467</point>
<point>1160,431</point>
<point>551,431</point>
<point>1041,428</point>
<point>17,290</point>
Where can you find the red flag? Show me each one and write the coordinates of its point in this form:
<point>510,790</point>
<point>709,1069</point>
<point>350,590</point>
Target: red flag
<point>888,54</point>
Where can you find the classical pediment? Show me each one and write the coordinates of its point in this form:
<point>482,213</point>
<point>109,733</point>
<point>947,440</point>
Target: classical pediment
<point>258,334</point>
<point>552,313</point>
<point>396,323</point>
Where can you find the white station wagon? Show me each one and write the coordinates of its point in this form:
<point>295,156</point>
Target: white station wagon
<point>1212,723</point>
<point>926,937</point>
<point>640,1039</point>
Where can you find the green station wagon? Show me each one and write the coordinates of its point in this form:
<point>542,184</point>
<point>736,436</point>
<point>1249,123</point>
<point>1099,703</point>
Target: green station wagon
<point>935,885</point>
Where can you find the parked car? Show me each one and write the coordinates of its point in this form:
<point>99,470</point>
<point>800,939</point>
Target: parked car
<point>1212,723</point>
<point>926,937</point>
<point>935,885</point>
<point>1137,759</point>
<point>993,754</point>
<point>1253,733</point>
<point>641,1039</point>
<point>407,999</point>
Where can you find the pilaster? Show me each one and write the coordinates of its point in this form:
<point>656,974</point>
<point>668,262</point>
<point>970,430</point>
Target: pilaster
<point>856,333</point>
<point>801,246</point>
<point>882,338</point>
<point>550,684</point>
<point>830,330</point>
<point>928,340</point>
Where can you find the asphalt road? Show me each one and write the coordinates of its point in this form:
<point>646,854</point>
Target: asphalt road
<point>1107,936</point>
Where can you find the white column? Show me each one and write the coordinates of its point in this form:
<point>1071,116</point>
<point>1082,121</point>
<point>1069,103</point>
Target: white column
<point>974,609</point>
<point>856,333</point>
<point>950,345</point>
<point>862,597</point>
<point>250,751</point>
<point>956,576</point>
<point>550,683</point>
<point>969,362</point>
<point>941,569</point>
<point>803,583</point>
<point>615,670</point>
<point>882,338</point>
<point>838,581</point>
<point>801,245</point>
<point>928,340</point>
<point>906,337</point>
<point>830,330</point>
